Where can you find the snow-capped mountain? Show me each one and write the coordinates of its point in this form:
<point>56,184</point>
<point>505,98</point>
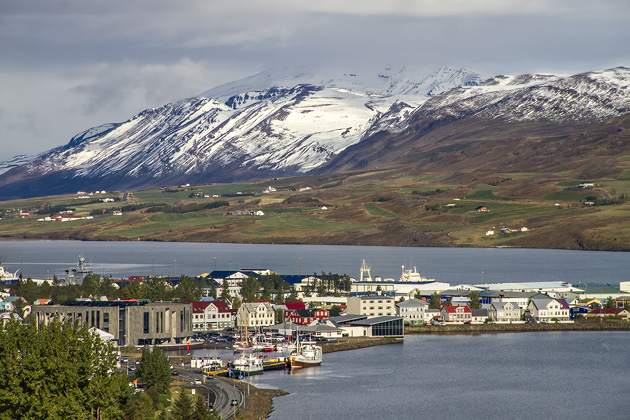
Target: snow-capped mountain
<point>285,123</point>
<point>271,123</point>
<point>585,98</point>
<point>512,105</point>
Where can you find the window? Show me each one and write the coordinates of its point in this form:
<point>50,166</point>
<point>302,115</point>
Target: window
<point>145,328</point>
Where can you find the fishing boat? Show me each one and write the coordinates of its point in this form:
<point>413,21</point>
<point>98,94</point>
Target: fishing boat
<point>306,354</point>
<point>247,364</point>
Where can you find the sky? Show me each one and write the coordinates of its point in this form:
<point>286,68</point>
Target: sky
<point>68,65</point>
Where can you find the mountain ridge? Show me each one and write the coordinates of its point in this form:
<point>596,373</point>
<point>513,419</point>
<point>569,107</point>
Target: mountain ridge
<point>261,126</point>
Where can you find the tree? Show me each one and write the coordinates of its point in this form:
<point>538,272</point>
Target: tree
<point>236,302</point>
<point>293,297</point>
<point>187,290</point>
<point>435,302</point>
<point>250,289</point>
<point>474,300</point>
<point>139,407</point>
<point>154,370</point>
<point>58,371</point>
<point>200,411</point>
<point>183,409</point>
<point>610,303</point>
<point>225,292</point>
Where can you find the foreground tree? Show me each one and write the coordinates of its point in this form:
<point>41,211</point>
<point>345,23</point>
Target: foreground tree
<point>60,371</point>
<point>154,370</point>
<point>183,408</point>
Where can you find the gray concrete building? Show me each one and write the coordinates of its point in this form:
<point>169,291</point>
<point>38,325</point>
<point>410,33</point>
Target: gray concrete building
<point>131,323</point>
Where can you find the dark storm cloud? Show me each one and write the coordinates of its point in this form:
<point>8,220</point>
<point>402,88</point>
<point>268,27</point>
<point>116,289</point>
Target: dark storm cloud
<point>67,65</point>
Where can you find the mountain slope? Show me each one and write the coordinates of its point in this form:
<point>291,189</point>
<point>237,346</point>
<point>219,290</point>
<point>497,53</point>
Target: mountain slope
<point>257,127</point>
<point>503,108</point>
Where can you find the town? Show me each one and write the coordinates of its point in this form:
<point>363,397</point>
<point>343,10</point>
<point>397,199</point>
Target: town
<point>148,310</point>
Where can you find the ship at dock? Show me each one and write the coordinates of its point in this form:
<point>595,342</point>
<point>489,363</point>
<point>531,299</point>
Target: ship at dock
<point>306,354</point>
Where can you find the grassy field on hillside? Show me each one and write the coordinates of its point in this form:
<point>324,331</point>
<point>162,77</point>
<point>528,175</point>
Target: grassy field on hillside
<point>388,207</point>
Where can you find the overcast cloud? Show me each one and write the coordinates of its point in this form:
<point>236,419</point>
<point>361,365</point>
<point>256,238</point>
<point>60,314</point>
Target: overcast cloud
<point>68,65</point>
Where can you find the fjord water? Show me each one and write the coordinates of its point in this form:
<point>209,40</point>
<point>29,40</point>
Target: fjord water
<point>549,375</point>
<point>40,259</point>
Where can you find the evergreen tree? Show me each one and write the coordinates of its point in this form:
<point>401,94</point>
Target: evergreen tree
<point>139,407</point>
<point>154,370</point>
<point>435,302</point>
<point>250,289</point>
<point>225,293</point>
<point>200,411</point>
<point>183,408</point>
<point>187,290</point>
<point>293,297</point>
<point>474,300</point>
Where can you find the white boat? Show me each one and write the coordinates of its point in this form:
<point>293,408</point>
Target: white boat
<point>306,354</point>
<point>7,277</point>
<point>410,275</point>
<point>247,364</point>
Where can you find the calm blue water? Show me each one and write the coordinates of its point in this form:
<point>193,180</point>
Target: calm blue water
<point>453,265</point>
<point>565,375</point>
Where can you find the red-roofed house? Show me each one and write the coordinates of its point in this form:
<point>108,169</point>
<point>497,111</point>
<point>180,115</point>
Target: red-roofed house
<point>209,316</point>
<point>602,312</point>
<point>459,314</point>
<point>306,316</point>
<point>295,306</point>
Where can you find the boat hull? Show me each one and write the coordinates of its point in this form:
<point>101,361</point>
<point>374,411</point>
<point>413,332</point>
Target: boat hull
<point>297,363</point>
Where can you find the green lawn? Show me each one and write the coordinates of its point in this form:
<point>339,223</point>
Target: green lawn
<point>374,210</point>
<point>299,223</point>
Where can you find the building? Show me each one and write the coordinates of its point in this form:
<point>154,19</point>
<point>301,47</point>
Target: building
<point>371,306</point>
<point>459,314</point>
<point>504,312</point>
<point>382,326</point>
<point>544,308</point>
<point>132,323</point>
<point>211,316</point>
<point>412,311</point>
<point>479,316</point>
<point>255,315</point>
<point>430,315</point>
<point>608,312</point>
<point>308,316</point>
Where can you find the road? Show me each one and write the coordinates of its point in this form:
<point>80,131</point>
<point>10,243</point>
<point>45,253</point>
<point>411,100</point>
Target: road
<point>217,391</point>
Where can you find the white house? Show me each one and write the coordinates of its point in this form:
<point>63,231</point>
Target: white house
<point>544,308</point>
<point>504,312</point>
<point>253,315</point>
<point>412,311</point>
<point>371,306</point>
<point>431,314</point>
<point>209,316</point>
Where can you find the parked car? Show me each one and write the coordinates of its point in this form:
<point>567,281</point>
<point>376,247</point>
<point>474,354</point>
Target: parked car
<point>175,373</point>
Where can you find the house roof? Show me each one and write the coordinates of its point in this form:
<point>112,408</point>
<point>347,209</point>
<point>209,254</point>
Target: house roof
<point>502,305</point>
<point>479,312</point>
<point>293,306</point>
<point>416,303</point>
<point>345,319</point>
<point>606,311</point>
<point>374,321</point>
<point>451,309</point>
<point>198,307</point>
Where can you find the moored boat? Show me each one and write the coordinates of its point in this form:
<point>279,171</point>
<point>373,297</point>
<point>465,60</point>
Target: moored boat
<point>307,354</point>
<point>247,364</point>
